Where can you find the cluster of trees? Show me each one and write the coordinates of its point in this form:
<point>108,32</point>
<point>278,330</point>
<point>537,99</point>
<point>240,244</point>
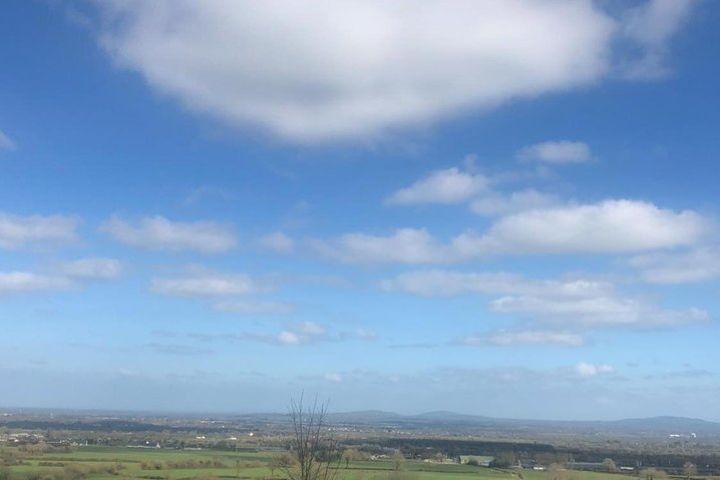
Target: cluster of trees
<point>504,460</point>
<point>354,455</point>
<point>41,447</point>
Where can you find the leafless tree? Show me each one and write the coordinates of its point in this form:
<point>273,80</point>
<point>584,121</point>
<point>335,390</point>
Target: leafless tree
<point>690,470</point>
<point>317,453</point>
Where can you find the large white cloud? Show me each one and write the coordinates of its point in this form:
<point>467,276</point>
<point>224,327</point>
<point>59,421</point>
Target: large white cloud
<point>34,230</point>
<point>159,233</point>
<point>314,71</point>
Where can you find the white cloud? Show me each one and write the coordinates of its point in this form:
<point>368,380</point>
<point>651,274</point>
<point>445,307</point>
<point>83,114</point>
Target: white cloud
<point>442,186</point>
<point>526,337</point>
<point>159,233</point>
<point>611,226</point>
<point>455,185</point>
<point>503,204</point>
<point>18,231</point>
<point>587,370</point>
<point>92,268</point>
<point>444,283</point>
<point>295,333</point>
<point>309,328</point>
<point>25,282</point>
<point>572,304</point>
<point>301,333</point>
<point>406,245</point>
<point>699,265</point>
<point>63,276</point>
<point>288,338</point>
<point>254,307</point>
<point>609,311</point>
<point>209,284</point>
<point>6,143</point>
<point>557,152</point>
<point>277,242</point>
<point>318,71</point>
<point>333,377</point>
<point>362,334</point>
<point>608,227</point>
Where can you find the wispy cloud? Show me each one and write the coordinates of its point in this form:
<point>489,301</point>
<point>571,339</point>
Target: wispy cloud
<point>159,233</point>
<point>64,276</point>
<point>573,304</point>
<point>697,265</point>
<point>178,349</point>
<point>649,26</point>
<point>556,152</point>
<point>406,245</point>
<point>205,192</point>
<point>587,370</point>
<point>92,268</point>
<point>291,334</point>
<point>37,230</point>
<point>255,307</point>
<point>25,282</point>
<point>277,242</point>
<point>524,338</point>
<point>6,143</point>
<point>496,203</point>
<point>209,284</point>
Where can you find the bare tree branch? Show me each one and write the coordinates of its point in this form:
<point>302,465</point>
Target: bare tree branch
<point>317,452</point>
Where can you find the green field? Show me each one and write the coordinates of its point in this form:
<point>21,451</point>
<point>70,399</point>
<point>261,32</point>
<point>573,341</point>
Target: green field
<point>106,463</point>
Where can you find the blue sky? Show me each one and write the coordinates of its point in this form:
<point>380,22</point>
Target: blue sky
<point>506,209</point>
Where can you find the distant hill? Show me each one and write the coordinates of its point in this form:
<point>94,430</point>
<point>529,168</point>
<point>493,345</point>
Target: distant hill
<point>445,421</point>
<point>665,425</point>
